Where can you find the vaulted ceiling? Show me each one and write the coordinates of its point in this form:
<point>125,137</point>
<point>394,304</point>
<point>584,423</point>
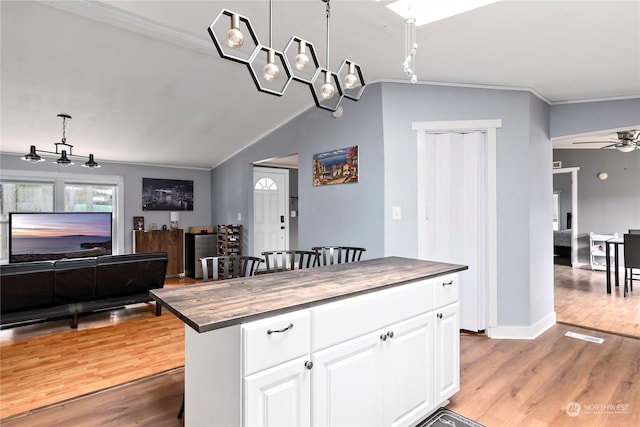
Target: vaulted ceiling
<point>145,84</point>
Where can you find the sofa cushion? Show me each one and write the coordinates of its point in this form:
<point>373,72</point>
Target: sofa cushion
<point>118,275</point>
<point>26,286</point>
<point>75,280</point>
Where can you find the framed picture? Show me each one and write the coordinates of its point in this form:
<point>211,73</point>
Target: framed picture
<point>167,195</point>
<point>138,223</point>
<point>336,167</point>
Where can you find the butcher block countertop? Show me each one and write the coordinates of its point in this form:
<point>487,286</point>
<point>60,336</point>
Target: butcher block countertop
<point>215,305</point>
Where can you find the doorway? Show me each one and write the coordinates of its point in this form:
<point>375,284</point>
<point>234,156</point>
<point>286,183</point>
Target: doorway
<point>485,299</point>
<point>566,214</point>
<point>270,210</point>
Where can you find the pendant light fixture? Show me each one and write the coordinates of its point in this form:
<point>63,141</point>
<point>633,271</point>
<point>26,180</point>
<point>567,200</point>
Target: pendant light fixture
<point>64,149</point>
<point>272,70</point>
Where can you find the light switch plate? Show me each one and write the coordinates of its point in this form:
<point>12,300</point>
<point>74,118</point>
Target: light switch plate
<point>396,213</point>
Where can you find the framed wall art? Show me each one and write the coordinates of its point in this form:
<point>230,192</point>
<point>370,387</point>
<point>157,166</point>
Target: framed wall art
<point>167,194</point>
<point>336,167</point>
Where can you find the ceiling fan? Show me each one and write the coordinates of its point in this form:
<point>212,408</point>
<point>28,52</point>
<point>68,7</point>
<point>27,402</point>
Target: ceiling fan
<point>628,140</point>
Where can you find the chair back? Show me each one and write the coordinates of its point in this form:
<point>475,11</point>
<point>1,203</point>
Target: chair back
<point>632,250</point>
<point>329,255</point>
<point>289,260</point>
<point>634,231</point>
<point>229,267</point>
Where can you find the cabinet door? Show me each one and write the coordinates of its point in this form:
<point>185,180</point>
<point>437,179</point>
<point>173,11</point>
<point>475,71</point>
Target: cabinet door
<point>279,396</point>
<point>447,351</point>
<point>409,386</point>
<point>347,383</point>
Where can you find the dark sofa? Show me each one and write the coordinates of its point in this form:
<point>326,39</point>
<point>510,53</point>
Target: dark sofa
<point>33,291</point>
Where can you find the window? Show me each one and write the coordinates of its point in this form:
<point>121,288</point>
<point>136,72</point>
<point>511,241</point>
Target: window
<point>266,184</point>
<point>38,192</point>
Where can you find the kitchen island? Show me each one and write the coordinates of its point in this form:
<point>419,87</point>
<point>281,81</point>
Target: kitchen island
<point>369,343</point>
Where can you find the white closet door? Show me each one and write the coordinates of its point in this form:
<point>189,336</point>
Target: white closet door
<point>456,215</point>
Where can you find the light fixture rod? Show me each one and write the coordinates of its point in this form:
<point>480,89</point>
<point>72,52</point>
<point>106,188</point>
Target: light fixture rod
<point>270,23</point>
<point>328,16</point>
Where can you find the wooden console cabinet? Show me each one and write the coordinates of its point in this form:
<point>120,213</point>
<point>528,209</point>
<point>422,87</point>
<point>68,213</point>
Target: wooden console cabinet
<point>169,241</point>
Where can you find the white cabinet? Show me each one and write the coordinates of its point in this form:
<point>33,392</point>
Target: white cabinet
<point>385,358</point>
<point>384,378</point>
<point>279,396</point>
<point>347,383</point>
<point>597,247</point>
<point>447,351</point>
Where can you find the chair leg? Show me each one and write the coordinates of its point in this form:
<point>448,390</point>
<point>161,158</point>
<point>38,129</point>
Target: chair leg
<point>626,270</point>
<point>181,411</point>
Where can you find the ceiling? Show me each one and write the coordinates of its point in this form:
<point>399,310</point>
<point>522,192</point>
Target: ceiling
<point>145,84</point>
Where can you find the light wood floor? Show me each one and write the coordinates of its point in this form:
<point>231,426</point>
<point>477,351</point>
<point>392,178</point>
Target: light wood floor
<point>504,382</point>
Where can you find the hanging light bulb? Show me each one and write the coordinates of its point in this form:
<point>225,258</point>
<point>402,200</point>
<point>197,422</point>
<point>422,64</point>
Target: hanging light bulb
<point>271,70</point>
<point>327,90</point>
<point>235,38</point>
<point>91,163</point>
<point>302,60</point>
<point>350,80</point>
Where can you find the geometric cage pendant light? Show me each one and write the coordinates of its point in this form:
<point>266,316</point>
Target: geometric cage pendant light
<point>63,149</point>
<point>271,70</point>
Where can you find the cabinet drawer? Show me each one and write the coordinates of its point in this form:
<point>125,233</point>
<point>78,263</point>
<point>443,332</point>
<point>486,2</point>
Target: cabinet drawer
<point>445,290</point>
<point>340,321</point>
<point>275,340</point>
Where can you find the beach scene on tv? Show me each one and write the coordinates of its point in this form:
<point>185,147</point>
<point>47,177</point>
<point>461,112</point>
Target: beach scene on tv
<point>51,236</point>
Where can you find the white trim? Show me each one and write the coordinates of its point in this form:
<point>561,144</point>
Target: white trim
<point>489,127</point>
<point>523,332</point>
<point>574,211</point>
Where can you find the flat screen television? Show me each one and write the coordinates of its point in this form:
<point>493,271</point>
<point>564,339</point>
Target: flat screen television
<point>38,236</point>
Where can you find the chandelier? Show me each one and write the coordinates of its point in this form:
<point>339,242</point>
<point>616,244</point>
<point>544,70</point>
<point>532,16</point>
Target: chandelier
<point>272,70</point>
<point>63,149</point>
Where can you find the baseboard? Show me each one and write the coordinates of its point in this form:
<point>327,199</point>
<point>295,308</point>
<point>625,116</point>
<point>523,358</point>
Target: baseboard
<point>523,332</point>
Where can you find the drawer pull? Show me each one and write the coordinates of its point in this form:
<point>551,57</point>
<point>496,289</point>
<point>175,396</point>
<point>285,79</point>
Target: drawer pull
<point>449,283</point>
<point>277,331</point>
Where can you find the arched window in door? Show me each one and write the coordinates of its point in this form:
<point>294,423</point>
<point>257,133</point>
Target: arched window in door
<point>266,184</point>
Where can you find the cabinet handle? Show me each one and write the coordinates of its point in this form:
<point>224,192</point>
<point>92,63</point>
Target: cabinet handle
<point>449,283</point>
<point>439,315</point>
<point>308,364</point>
<point>390,334</point>
<point>383,337</point>
<point>277,331</point>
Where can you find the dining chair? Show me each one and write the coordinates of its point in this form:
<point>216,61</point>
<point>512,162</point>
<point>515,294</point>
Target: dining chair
<point>634,231</point>
<point>226,267</point>
<point>329,255</point>
<point>229,267</point>
<point>631,260</point>
<point>289,260</point>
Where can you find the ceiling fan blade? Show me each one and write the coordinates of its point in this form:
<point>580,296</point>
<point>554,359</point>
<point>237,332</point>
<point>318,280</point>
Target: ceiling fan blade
<point>593,142</point>
<point>609,146</point>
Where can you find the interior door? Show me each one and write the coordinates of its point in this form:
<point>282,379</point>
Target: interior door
<point>456,230</point>
<point>270,213</point>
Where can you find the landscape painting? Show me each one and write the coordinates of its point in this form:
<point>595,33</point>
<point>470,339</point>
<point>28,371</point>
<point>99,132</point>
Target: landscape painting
<point>167,194</point>
<point>336,167</point>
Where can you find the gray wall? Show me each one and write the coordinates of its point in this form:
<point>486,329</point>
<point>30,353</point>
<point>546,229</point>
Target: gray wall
<point>347,214</point>
<point>605,207</point>
<point>132,176</point>
<point>359,214</point>
<point>523,179</point>
<point>585,117</point>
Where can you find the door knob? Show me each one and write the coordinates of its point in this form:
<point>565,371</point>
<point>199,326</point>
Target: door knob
<point>390,334</point>
<point>383,337</point>
<point>439,315</point>
<point>308,364</point>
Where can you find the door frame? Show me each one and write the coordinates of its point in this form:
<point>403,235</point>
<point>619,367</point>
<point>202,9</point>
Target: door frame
<point>489,128</point>
<point>574,211</point>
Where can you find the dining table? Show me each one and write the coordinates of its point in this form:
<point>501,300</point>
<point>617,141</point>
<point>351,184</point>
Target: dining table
<point>615,242</point>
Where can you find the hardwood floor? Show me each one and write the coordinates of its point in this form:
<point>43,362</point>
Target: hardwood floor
<point>581,299</point>
<point>504,382</point>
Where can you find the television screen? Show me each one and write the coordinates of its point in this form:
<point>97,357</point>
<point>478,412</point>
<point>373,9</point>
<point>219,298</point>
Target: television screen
<point>50,236</point>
